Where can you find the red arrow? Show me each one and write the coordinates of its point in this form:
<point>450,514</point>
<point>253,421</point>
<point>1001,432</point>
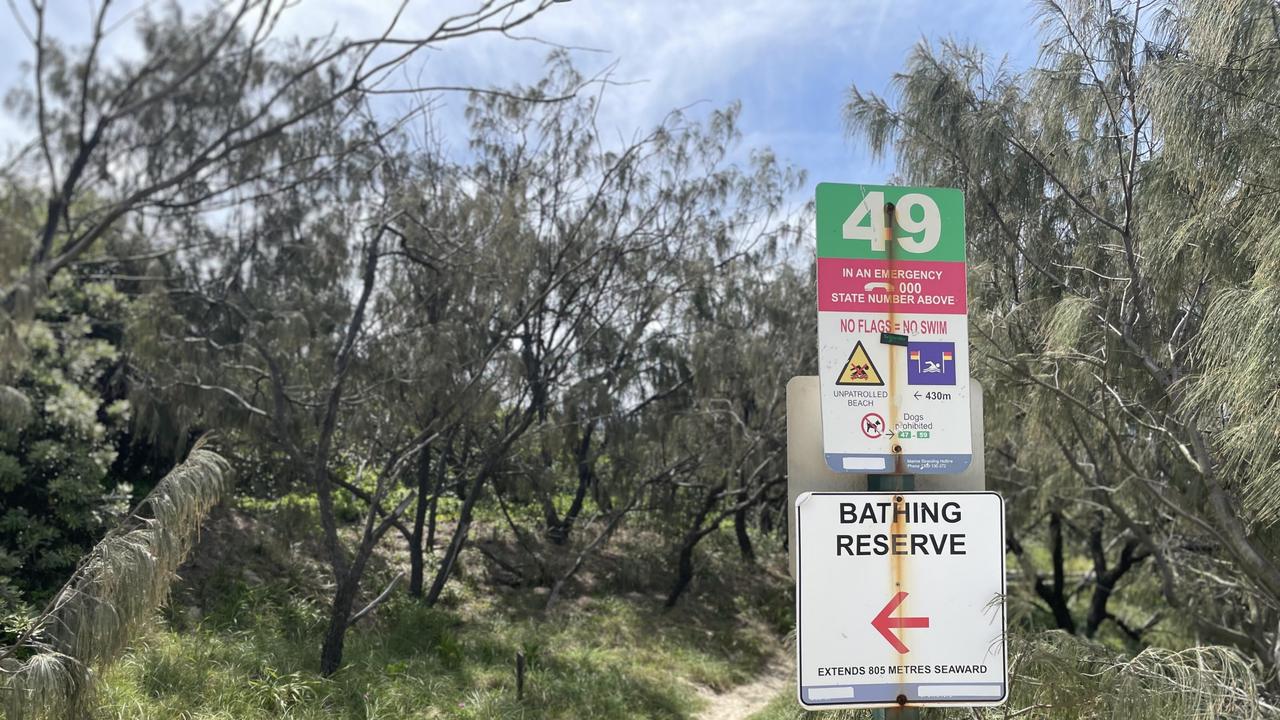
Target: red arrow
<point>883,622</point>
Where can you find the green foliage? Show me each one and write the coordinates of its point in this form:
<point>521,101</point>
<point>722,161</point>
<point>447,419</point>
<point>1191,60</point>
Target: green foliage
<point>1063,677</point>
<point>56,451</point>
<point>1121,227</point>
<point>1239,347</point>
<point>563,338</point>
<point>1226,57</point>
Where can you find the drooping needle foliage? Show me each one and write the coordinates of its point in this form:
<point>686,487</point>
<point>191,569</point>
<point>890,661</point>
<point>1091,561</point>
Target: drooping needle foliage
<point>1122,218</point>
<point>49,672</point>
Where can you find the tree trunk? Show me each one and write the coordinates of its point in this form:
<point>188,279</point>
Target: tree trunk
<point>344,600</point>
<point>744,540</point>
<point>600,494</point>
<point>1105,582</point>
<point>419,522</point>
<point>684,574</point>
<point>559,531</point>
<point>1056,597</point>
<point>459,538</point>
<point>346,575</point>
<point>430,541</point>
<point>468,505</point>
<point>684,565</point>
<point>550,517</point>
<point>446,564</point>
<point>442,466</point>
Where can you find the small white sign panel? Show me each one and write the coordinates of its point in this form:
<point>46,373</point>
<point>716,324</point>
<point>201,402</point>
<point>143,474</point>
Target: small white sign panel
<point>900,599</point>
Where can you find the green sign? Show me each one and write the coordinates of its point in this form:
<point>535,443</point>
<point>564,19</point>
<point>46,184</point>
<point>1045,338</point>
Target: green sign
<point>928,222</point>
<point>898,339</point>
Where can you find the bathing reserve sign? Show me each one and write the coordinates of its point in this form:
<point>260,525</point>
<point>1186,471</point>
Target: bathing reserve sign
<point>900,599</point>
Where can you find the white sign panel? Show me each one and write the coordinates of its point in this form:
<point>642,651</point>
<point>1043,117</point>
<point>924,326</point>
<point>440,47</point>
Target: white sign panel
<point>893,351</point>
<point>900,599</point>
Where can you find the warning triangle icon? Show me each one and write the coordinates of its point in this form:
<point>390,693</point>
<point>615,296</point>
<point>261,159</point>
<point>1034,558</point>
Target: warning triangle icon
<point>858,369</point>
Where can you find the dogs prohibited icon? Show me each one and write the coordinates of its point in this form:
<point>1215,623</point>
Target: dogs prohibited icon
<point>873,425</point>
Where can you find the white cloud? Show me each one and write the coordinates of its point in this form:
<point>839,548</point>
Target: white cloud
<point>790,62</point>
<point>674,51</point>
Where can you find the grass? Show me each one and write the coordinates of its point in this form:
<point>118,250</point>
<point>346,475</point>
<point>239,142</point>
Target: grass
<point>609,652</point>
<point>1055,676</point>
<point>784,707</point>
<point>241,640</point>
<point>427,665</point>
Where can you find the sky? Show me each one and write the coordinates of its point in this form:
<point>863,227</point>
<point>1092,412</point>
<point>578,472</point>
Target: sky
<point>790,62</point>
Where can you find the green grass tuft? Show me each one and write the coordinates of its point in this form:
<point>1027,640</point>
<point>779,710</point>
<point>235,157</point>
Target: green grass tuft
<point>254,654</point>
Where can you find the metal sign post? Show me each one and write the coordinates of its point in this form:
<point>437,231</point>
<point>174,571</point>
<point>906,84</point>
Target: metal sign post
<point>893,483</point>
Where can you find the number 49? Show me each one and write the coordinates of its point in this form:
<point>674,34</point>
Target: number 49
<point>929,227</point>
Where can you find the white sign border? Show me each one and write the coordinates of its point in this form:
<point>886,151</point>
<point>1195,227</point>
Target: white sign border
<point>917,703</point>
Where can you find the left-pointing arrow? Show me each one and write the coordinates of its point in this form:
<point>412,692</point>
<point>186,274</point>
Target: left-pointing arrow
<point>884,622</point>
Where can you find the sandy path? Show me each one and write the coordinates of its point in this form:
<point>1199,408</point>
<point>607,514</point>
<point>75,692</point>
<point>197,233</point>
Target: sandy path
<point>742,701</point>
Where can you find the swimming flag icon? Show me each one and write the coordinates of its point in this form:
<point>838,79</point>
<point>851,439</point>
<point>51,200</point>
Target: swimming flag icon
<point>931,363</point>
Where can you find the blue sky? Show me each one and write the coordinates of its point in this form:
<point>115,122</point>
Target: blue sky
<point>791,63</point>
